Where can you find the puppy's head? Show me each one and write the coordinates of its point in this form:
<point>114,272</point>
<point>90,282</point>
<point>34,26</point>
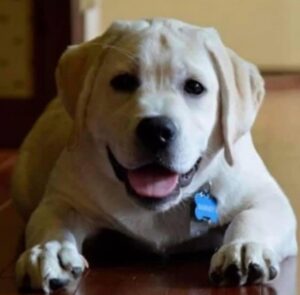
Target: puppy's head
<point>158,96</point>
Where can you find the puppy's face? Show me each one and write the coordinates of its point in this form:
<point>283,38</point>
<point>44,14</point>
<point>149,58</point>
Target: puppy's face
<point>154,105</point>
<point>151,101</point>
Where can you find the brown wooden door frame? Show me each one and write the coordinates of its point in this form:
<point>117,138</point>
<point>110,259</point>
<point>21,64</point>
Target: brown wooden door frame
<point>52,26</point>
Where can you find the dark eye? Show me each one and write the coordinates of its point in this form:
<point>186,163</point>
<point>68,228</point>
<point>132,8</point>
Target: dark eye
<point>193,87</point>
<point>125,82</point>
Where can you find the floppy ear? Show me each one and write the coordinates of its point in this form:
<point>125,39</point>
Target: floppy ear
<point>75,74</point>
<point>77,70</point>
<point>71,74</point>
<point>241,90</point>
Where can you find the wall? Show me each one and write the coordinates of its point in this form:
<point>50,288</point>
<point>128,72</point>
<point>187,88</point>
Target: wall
<point>16,76</point>
<point>264,31</point>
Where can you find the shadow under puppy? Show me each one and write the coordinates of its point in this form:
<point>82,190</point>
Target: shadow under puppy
<point>146,116</point>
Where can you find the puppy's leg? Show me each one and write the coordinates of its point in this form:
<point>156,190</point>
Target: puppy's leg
<point>254,244</point>
<point>52,259</point>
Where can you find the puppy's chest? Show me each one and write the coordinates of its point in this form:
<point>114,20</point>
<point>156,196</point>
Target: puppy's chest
<point>174,231</point>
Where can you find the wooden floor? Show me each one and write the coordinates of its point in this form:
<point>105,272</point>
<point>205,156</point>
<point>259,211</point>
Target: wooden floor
<point>181,275</point>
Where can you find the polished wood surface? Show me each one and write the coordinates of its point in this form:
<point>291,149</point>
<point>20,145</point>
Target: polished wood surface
<point>276,133</point>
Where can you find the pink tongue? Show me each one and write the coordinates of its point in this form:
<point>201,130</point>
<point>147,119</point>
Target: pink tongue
<point>152,182</point>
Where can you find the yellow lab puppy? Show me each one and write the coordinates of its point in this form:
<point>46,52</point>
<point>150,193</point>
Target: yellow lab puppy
<point>146,116</point>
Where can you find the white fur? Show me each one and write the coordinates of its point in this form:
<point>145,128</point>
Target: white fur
<point>65,186</point>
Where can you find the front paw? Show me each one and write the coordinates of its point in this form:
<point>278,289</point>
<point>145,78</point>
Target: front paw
<point>50,266</point>
<point>243,263</point>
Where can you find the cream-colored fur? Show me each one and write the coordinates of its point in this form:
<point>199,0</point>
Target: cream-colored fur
<point>64,184</point>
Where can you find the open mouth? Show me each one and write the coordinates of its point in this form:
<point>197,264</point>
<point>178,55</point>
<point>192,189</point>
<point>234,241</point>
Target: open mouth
<point>154,184</point>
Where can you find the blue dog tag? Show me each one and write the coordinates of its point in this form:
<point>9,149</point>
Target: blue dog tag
<point>206,206</point>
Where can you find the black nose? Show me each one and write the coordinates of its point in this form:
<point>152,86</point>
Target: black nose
<point>156,133</point>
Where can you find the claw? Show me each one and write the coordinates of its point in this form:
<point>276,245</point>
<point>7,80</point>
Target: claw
<point>233,274</point>
<point>56,284</point>
<point>255,272</point>
<point>86,264</point>
<point>76,272</point>
<point>216,277</point>
<point>272,272</point>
